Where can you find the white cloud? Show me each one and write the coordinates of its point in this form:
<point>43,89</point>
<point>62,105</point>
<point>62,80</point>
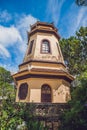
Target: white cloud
<point>80,17</point>
<point>9,36</point>
<point>10,67</point>
<point>84,22</point>
<point>78,20</point>
<point>54,10</point>
<point>5,16</point>
<point>16,34</point>
<point>73,20</point>
<point>15,37</point>
<point>69,21</point>
<point>25,21</point>
<point>4,52</point>
<point>23,25</point>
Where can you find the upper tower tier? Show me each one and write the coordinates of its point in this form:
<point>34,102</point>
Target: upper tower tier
<point>43,44</point>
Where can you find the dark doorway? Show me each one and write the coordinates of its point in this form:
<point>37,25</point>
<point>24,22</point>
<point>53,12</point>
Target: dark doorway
<point>45,93</point>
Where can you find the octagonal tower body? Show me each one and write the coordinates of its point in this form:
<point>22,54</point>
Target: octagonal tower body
<point>43,76</point>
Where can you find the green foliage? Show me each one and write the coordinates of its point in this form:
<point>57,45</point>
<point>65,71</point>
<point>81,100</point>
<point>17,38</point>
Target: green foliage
<point>75,117</point>
<point>5,75</point>
<point>6,81</point>
<point>13,115</point>
<point>10,117</point>
<point>75,51</point>
<point>81,2</point>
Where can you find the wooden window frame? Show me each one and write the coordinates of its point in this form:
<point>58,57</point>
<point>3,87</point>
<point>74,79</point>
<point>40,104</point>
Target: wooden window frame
<point>46,95</point>
<point>41,51</point>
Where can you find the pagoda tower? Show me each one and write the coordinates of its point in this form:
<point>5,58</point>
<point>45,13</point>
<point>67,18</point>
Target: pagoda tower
<point>43,76</point>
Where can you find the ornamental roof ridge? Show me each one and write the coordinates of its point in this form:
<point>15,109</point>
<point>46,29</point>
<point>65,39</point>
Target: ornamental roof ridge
<point>44,24</point>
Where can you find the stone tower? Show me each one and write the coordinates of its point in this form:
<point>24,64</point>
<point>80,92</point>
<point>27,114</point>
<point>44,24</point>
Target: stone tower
<point>43,76</point>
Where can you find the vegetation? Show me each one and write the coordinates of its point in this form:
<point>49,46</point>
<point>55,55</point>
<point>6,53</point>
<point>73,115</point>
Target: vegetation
<point>18,116</point>
<point>6,81</point>
<point>75,117</point>
<point>76,58</point>
<point>81,2</point>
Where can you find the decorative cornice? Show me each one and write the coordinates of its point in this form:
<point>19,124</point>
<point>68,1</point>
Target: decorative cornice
<point>43,24</point>
<point>44,31</point>
<point>42,76</point>
<point>47,70</point>
<point>41,61</point>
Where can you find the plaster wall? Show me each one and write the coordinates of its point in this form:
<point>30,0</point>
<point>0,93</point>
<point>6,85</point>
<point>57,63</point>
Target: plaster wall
<point>58,87</point>
<point>55,55</point>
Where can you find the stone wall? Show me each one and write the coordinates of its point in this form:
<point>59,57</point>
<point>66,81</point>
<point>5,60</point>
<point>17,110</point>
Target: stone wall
<point>48,113</point>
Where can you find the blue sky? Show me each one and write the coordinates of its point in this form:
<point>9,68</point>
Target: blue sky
<point>16,16</point>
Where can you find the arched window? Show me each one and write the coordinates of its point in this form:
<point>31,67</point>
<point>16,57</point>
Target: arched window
<point>45,93</point>
<point>45,47</point>
<point>30,47</point>
<point>23,90</point>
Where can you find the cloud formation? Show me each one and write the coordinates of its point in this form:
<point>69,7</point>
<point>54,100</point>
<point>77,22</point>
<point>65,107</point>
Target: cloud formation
<point>16,34</point>
<point>13,39</point>
<point>54,10</point>
<point>5,16</point>
<point>9,35</point>
<point>4,52</point>
<point>68,18</point>
<point>71,22</point>
<point>23,25</point>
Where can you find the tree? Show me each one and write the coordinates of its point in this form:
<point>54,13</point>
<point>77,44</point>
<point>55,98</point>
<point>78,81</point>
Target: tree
<point>81,2</point>
<point>6,81</point>
<point>75,51</point>
<point>75,117</point>
<point>18,116</point>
